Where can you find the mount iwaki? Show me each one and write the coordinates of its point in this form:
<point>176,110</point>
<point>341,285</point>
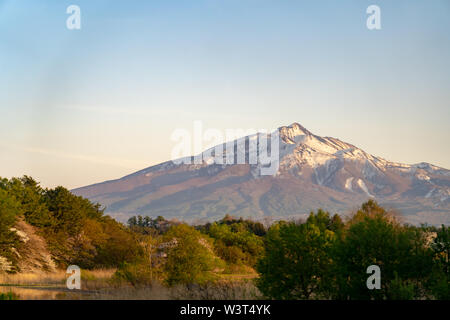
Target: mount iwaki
<point>314,172</point>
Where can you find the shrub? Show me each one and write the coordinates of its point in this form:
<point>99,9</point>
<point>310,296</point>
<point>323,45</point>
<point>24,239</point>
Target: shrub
<point>9,296</point>
<point>137,274</point>
<point>400,290</point>
<point>191,260</point>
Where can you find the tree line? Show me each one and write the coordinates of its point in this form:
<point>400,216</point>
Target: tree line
<point>326,258</point>
<point>76,230</point>
<point>323,257</point>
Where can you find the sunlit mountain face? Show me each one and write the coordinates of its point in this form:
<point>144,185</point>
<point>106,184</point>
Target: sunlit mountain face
<point>312,172</point>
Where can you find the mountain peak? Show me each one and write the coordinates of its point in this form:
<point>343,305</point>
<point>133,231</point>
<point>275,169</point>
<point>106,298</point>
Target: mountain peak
<point>312,171</point>
<point>298,127</point>
<point>289,133</point>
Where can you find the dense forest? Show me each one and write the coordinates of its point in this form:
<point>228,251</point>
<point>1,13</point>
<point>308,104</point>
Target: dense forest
<point>323,257</point>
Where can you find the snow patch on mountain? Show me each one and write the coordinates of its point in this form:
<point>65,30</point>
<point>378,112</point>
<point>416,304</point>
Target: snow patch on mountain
<point>429,193</point>
<point>348,183</point>
<point>370,170</point>
<point>423,177</point>
<point>363,187</point>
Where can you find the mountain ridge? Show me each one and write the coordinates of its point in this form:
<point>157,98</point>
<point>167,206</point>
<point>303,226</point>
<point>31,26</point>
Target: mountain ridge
<point>313,172</point>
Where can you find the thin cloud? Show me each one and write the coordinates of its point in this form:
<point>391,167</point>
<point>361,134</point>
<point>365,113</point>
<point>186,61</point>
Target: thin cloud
<point>122,163</point>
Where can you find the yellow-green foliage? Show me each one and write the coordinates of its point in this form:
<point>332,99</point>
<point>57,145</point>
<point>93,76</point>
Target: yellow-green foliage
<point>323,257</point>
<point>236,244</point>
<point>76,230</point>
<point>136,274</point>
<point>8,296</point>
<point>9,209</point>
<point>191,260</point>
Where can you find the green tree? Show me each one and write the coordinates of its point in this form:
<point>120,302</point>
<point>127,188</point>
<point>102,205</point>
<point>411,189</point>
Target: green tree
<point>374,237</point>
<point>190,259</point>
<point>236,244</point>
<point>441,248</point>
<point>31,197</point>
<point>440,280</point>
<point>9,210</point>
<point>296,261</point>
<point>324,221</point>
<point>116,245</point>
<point>75,229</point>
<point>68,211</point>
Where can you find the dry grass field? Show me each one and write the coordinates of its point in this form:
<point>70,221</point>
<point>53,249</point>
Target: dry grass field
<point>101,285</point>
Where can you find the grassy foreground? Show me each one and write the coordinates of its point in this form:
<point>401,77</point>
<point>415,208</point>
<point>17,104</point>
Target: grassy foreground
<point>102,284</point>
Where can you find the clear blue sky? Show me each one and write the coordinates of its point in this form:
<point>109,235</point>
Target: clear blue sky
<point>83,106</point>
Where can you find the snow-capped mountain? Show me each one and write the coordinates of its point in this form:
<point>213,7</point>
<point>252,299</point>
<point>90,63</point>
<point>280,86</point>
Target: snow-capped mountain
<point>313,172</point>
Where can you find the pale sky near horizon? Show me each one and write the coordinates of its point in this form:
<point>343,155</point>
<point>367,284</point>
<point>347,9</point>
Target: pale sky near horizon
<point>83,106</point>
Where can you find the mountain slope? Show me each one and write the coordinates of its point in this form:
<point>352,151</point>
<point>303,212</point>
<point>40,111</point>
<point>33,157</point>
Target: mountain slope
<point>314,172</point>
